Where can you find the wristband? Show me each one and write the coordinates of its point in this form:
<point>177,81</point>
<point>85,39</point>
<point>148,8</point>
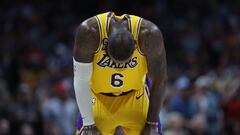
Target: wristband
<point>152,123</point>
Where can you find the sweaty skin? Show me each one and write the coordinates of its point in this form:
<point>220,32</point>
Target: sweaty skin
<point>151,44</point>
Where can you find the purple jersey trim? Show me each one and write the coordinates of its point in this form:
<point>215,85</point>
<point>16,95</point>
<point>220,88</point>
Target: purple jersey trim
<point>79,122</point>
<point>149,84</point>
<point>159,127</point>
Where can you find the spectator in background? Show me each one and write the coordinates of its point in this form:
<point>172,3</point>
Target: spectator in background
<point>4,127</point>
<point>53,129</point>
<point>26,129</point>
<point>5,99</point>
<point>231,106</point>
<point>181,101</point>
<point>204,102</point>
<point>60,111</point>
<point>175,124</point>
<point>198,125</point>
<point>24,109</point>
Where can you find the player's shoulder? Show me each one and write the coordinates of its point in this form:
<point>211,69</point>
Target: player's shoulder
<point>147,27</point>
<point>150,37</point>
<point>86,40</point>
<point>88,27</point>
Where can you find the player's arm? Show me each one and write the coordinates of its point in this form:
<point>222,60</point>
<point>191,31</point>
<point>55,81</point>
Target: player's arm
<point>86,42</point>
<point>152,45</point>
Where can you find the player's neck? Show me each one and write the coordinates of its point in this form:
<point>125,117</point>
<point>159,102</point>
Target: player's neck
<point>117,24</point>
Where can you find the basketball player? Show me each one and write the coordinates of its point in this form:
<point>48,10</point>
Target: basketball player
<point>113,56</point>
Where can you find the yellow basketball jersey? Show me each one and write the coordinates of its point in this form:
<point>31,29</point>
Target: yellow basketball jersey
<point>110,77</point>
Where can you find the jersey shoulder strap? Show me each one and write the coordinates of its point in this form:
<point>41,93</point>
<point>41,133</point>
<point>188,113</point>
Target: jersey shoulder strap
<point>103,24</point>
<point>135,23</point>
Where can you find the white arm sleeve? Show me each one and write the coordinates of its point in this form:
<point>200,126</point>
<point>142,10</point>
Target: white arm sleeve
<point>82,76</point>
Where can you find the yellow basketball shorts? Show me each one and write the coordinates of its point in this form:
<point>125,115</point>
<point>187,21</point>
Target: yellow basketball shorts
<point>128,111</point>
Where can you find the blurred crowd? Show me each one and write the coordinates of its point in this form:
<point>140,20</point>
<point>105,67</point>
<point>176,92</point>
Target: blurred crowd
<point>202,39</point>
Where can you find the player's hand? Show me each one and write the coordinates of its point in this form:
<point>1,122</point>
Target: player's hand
<point>150,130</point>
<point>90,131</point>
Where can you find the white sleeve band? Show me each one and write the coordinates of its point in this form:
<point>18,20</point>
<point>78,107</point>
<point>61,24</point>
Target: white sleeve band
<point>82,76</point>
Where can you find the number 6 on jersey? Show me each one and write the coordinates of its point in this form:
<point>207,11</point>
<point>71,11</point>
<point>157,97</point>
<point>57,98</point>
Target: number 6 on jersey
<point>117,80</point>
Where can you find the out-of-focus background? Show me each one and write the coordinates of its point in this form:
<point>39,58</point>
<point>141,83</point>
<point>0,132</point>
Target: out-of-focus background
<point>202,39</point>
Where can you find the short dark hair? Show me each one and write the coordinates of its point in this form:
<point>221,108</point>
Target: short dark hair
<point>121,44</point>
